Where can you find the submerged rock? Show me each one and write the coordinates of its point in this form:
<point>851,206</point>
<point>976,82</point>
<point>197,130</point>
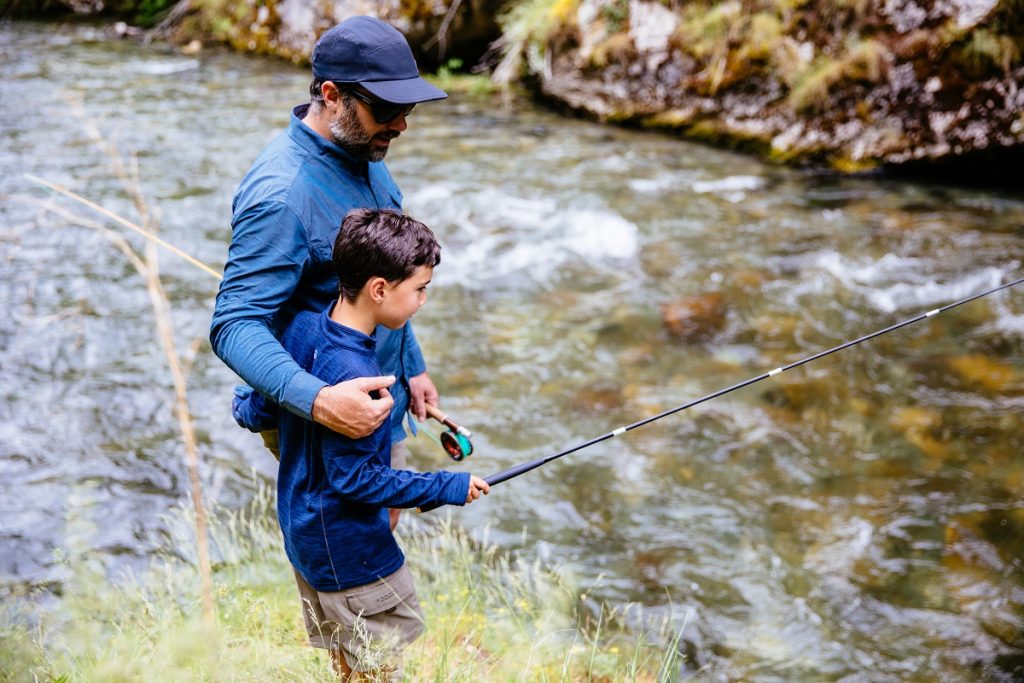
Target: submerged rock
<point>694,318</point>
<point>923,428</point>
<point>982,555</point>
<point>978,370</point>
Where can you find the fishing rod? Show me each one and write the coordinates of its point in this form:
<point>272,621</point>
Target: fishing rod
<point>523,468</point>
<point>456,440</point>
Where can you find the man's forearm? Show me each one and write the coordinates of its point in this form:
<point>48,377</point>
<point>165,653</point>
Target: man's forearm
<point>249,348</point>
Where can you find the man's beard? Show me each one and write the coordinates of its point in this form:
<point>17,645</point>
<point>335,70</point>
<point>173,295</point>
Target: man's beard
<point>351,136</point>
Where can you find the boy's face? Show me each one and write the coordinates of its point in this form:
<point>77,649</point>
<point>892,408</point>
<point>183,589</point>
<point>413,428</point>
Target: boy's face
<point>402,299</point>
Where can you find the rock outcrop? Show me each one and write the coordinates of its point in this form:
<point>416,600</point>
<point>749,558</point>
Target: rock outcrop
<point>857,85</point>
<point>854,85</point>
<point>437,29</point>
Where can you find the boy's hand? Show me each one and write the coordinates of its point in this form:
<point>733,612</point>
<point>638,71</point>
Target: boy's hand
<point>349,409</point>
<point>476,487</point>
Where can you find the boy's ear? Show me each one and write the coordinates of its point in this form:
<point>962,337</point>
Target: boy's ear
<point>377,287</point>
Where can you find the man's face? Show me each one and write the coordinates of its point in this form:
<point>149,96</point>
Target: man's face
<point>355,131</point>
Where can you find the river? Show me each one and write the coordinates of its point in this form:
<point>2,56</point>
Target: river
<point>858,519</point>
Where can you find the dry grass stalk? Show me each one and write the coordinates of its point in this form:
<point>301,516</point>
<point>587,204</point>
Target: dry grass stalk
<point>148,268</point>
<point>165,328</point>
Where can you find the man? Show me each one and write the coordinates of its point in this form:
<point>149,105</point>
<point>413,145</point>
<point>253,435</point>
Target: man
<point>286,214</point>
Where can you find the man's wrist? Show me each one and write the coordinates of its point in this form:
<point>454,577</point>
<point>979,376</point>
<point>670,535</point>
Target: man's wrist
<point>300,394</point>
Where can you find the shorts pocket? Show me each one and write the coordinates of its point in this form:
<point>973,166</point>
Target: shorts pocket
<point>382,597</point>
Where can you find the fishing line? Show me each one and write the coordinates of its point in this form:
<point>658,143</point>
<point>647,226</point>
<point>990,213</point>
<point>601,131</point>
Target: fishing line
<point>523,468</point>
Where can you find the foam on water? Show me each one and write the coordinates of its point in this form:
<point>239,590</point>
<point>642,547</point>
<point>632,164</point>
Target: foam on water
<point>732,188</point>
<point>893,283</point>
<point>931,293</point>
<point>162,67</point>
<point>492,235</point>
<point>662,182</point>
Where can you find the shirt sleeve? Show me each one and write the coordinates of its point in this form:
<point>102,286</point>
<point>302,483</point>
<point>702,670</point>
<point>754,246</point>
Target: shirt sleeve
<point>356,473</point>
<point>266,259</point>
<point>253,410</point>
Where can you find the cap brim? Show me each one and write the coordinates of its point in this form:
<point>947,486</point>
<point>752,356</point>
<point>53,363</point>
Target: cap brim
<point>406,91</point>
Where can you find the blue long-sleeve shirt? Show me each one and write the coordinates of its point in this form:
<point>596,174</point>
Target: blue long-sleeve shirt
<point>287,212</point>
<point>332,491</point>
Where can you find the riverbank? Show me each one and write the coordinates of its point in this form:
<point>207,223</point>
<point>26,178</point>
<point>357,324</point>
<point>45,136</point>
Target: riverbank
<point>918,89</point>
<point>489,616</point>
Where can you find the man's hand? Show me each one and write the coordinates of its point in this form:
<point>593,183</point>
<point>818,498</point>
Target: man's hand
<point>477,486</point>
<point>348,409</point>
<point>421,392</point>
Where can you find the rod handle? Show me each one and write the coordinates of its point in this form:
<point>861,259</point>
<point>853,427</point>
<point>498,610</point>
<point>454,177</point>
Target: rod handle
<point>435,412</point>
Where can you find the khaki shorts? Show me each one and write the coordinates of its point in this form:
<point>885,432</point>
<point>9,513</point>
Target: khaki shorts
<point>369,624</point>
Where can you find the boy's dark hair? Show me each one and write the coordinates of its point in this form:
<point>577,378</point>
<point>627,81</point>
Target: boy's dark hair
<point>380,243</point>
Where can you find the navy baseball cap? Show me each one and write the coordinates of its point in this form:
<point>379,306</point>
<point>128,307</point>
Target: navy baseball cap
<point>369,52</point>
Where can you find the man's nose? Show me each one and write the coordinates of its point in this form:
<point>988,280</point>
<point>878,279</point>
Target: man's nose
<point>399,124</point>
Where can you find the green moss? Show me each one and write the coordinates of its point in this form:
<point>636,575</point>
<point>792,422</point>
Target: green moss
<point>704,31</point>
<point>864,61</point>
<point>529,28</point>
<point>616,13</point>
<point>762,37</point>
<point>987,52</point>
<point>616,48</point>
<point>852,166</point>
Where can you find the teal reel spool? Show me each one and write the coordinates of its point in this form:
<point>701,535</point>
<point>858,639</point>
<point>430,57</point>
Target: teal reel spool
<point>455,441</point>
<point>456,445</point>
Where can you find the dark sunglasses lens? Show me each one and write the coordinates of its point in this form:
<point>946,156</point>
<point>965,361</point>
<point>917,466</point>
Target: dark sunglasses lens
<point>386,112</point>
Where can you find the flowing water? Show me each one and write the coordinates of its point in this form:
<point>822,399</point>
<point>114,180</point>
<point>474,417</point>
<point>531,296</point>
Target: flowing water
<point>857,519</point>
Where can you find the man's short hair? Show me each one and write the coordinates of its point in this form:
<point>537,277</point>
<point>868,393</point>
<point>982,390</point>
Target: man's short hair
<point>316,95</point>
<point>384,244</point>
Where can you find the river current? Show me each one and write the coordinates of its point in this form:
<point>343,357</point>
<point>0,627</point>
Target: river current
<point>858,519</point>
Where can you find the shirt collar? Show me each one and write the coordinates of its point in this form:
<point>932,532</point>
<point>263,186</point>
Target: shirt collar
<point>312,141</point>
<point>350,339</point>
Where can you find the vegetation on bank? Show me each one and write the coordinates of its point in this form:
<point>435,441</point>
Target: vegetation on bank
<point>489,615</point>
<point>850,84</point>
<point>810,47</point>
<point>846,83</point>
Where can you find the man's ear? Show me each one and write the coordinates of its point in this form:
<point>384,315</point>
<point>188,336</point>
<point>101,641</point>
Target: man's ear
<point>331,94</point>
<point>377,287</point>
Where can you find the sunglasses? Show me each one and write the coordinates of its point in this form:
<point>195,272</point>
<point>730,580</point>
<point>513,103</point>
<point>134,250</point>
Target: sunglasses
<point>381,110</point>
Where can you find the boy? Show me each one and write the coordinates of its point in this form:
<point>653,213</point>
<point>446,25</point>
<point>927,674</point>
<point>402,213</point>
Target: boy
<point>333,491</point>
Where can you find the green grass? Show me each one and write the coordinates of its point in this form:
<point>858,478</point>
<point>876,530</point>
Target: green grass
<point>453,80</point>
<point>489,615</point>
